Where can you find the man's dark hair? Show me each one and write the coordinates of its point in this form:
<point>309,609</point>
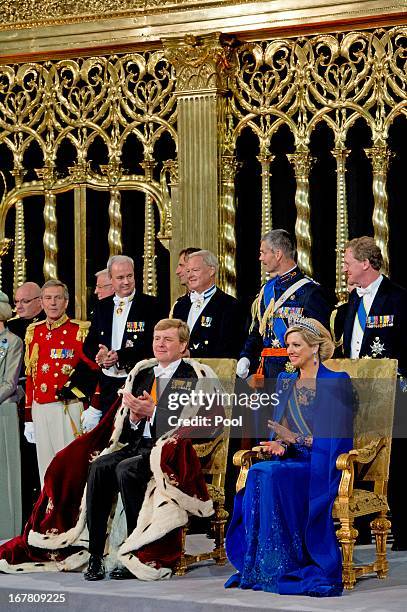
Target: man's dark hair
<point>188,251</point>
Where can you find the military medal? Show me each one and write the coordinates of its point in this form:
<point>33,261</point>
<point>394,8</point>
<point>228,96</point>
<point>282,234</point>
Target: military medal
<point>120,307</point>
<point>45,368</point>
<point>377,347</point>
<point>43,387</point>
<point>48,336</point>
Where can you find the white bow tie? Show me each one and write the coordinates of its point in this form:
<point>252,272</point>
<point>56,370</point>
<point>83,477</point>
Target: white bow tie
<point>363,291</point>
<point>197,298</point>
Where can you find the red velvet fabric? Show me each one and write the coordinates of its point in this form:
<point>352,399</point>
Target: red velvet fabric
<point>57,508</point>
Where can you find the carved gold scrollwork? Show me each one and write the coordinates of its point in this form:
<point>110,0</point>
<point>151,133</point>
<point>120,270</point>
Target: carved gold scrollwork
<point>201,62</point>
<point>380,159</point>
<point>302,162</point>
<point>76,101</point>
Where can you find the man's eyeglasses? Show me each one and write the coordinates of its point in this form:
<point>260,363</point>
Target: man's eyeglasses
<point>103,286</point>
<point>25,301</point>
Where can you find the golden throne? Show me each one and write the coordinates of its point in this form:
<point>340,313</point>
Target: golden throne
<point>213,456</point>
<point>374,382</point>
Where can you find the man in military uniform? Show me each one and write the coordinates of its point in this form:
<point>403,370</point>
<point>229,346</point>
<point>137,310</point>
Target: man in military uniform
<point>376,326</point>
<point>289,293</point>
<point>28,305</point>
<point>213,316</point>
<point>120,333</point>
<point>54,348</point>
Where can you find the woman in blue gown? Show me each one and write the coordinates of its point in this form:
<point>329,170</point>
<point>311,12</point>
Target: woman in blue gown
<point>281,538</point>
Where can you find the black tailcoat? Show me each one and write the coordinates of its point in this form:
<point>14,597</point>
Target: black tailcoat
<point>219,329</point>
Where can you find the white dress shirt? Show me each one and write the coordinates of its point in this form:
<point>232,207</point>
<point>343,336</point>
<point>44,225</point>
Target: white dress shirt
<point>163,376</point>
<point>198,303</point>
<point>120,313</point>
<point>368,294</point>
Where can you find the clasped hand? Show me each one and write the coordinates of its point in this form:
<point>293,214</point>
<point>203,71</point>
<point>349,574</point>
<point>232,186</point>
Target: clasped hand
<point>284,434</point>
<point>105,358</point>
<point>140,407</point>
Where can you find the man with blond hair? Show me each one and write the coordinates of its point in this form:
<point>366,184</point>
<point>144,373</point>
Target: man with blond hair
<point>128,470</point>
<point>376,326</point>
<point>213,316</point>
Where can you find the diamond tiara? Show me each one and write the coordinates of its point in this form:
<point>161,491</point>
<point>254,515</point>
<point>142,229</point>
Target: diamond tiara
<point>298,321</point>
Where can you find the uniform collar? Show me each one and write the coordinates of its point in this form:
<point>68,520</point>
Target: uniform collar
<point>58,322</point>
<point>290,274</point>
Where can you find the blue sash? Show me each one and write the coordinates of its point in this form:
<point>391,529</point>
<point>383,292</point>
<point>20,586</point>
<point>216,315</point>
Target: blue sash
<point>279,327</point>
<point>362,315</point>
<point>296,414</point>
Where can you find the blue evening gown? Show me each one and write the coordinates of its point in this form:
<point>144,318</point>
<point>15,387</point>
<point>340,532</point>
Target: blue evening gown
<point>281,538</point>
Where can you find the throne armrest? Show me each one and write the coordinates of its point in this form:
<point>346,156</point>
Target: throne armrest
<point>346,464</point>
<point>243,459</point>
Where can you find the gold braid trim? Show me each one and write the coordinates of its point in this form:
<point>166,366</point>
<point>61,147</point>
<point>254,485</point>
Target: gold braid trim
<point>332,328</point>
<point>268,313</point>
<point>254,312</point>
<point>83,329</point>
<point>30,360</point>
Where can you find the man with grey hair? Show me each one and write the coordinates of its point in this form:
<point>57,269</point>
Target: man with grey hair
<point>54,349</point>
<point>120,334</point>
<point>104,287</point>
<point>214,317</point>
<point>288,293</point>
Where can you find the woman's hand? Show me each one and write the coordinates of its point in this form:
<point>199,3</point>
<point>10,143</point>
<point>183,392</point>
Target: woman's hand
<point>272,447</point>
<point>283,432</point>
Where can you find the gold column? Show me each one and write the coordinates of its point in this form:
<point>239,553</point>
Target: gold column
<point>302,161</point>
<point>170,167</point>
<point>200,63</point>
<point>113,172</point>
<point>50,237</point>
<point>227,237</point>
<point>149,267</point>
<point>342,230</point>
<point>79,174</point>
<point>115,217</point>
<point>80,251</point>
<point>19,234</point>
<point>265,160</point>
<point>380,159</point>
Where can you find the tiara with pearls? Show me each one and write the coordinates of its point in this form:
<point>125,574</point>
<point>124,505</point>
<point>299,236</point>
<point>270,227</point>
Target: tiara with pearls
<point>304,323</point>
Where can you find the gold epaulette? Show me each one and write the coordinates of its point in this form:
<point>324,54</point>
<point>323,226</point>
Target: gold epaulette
<point>13,318</point>
<point>255,309</point>
<point>29,332</point>
<point>83,329</point>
